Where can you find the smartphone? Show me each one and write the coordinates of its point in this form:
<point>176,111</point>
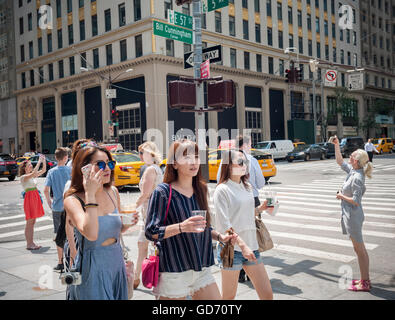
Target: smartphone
<point>86,170</point>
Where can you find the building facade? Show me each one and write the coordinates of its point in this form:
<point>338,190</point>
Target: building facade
<point>64,67</point>
<point>8,110</point>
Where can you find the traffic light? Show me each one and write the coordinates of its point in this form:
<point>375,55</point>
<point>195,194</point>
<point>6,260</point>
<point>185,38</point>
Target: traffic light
<point>181,2</point>
<point>290,75</point>
<point>299,75</point>
<point>287,75</point>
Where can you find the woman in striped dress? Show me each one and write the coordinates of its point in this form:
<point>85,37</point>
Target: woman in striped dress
<point>32,203</point>
<point>184,241</point>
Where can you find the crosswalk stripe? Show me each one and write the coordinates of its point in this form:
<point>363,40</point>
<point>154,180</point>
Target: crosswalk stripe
<point>306,217</point>
<point>18,216</point>
<point>337,185</point>
<point>311,195</point>
<point>325,190</point>
<point>22,223</point>
<point>22,232</point>
<point>314,253</point>
<point>315,210</point>
<point>335,201</point>
<point>327,228</point>
<point>337,205</point>
<point>331,241</point>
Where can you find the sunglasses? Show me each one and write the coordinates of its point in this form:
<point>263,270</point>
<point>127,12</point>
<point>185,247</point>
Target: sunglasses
<point>102,165</point>
<point>240,162</point>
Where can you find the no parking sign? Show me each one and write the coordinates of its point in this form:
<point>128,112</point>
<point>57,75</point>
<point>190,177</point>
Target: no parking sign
<point>331,78</point>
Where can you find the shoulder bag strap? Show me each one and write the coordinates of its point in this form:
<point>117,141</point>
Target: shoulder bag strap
<point>82,236</point>
<point>168,204</point>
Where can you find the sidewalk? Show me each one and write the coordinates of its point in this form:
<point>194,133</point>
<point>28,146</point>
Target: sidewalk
<point>292,278</point>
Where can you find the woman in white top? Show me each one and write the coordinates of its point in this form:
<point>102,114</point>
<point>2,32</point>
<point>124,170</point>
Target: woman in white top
<point>152,176</point>
<point>32,203</point>
<point>235,210</point>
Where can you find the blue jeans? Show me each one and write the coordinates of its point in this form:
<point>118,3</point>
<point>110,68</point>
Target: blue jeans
<point>238,261</point>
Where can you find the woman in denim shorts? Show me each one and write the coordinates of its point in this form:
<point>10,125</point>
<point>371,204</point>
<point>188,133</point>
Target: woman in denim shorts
<point>235,210</point>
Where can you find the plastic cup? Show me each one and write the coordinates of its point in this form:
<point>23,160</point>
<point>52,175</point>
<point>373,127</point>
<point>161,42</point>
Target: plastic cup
<point>128,211</point>
<point>199,213</point>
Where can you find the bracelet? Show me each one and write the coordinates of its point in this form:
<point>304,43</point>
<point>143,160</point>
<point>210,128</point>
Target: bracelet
<point>179,227</point>
<point>91,205</point>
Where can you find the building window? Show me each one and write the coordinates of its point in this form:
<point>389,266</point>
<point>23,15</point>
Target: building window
<point>291,40</point>
<point>31,50</point>
<point>349,58</point>
<point>96,58</point>
<point>137,10</point>
<point>69,6</point>
<point>22,53</point>
<point>245,30</point>
<point>20,25</point>
<point>281,68</point>
<point>310,43</point>
<point>334,55</point>
<point>58,8</point>
<point>40,46</point>
<point>50,72</point>
<point>109,54</point>
<point>233,58</point>
<point>168,6</point>
<point>94,25</point>
<point>342,56</point>
<point>257,6</point>
<point>82,30</point>
<point>271,65</point>
<point>258,33</point>
<point>41,73</point>
<point>232,26</point>
<point>326,28</point>
<point>83,60</point>
<point>279,11</point>
<point>31,78</point>
<point>107,19</point>
<point>244,4</point>
<point>81,3</point>
<point>122,14</point>
<point>29,22</point>
<point>138,41</point>
<point>317,24</point>
<point>280,40</point>
<point>61,69</point>
<point>23,77</point>
<point>218,22</point>
<point>290,17</point>
<point>72,65</point>
<point>60,39</point>
<point>318,50</point>
<point>170,47</point>
<point>246,60</point>
<point>269,8</point>
<point>123,50</point>
<point>269,36</point>
<point>300,42</point>
<point>326,52</point>
<point>309,21</point>
<point>71,34</point>
<point>259,63</point>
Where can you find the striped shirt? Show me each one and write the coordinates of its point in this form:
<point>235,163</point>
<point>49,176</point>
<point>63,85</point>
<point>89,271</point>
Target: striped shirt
<point>185,251</point>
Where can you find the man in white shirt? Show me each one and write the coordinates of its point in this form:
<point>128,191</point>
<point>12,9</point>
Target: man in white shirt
<point>369,148</point>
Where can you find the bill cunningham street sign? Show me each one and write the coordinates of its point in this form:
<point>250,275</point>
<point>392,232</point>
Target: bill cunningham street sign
<point>214,54</point>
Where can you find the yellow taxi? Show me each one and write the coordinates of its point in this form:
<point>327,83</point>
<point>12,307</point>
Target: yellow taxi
<point>127,168</point>
<point>265,161</point>
<point>298,144</point>
<point>383,145</point>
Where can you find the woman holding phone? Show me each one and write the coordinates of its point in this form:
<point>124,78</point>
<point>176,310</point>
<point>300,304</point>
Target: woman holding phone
<point>32,204</point>
<point>184,241</point>
<point>91,205</point>
<point>235,210</point>
<point>352,213</point>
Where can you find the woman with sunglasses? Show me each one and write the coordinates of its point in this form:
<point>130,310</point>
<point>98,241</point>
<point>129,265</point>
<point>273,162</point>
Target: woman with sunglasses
<point>32,204</point>
<point>184,240</point>
<point>150,179</point>
<point>90,204</point>
<point>235,210</point>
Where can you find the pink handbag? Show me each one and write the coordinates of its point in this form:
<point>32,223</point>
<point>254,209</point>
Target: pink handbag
<point>150,266</point>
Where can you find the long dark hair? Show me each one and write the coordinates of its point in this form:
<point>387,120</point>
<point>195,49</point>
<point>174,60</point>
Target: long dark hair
<point>226,167</point>
<point>83,157</point>
<point>200,188</point>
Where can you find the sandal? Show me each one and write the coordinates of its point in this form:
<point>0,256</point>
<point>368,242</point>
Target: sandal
<point>34,248</point>
<point>136,283</point>
<point>360,285</point>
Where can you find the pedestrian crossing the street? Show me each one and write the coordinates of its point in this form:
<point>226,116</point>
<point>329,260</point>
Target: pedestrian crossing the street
<point>308,220</point>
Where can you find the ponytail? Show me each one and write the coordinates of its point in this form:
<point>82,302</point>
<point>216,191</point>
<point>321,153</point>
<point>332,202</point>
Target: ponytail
<point>368,170</point>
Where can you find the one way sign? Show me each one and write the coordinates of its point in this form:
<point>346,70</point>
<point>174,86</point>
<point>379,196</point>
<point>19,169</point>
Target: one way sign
<point>214,54</point>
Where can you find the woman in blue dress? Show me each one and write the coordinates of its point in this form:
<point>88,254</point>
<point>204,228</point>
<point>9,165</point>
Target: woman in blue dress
<point>88,204</point>
<point>352,211</point>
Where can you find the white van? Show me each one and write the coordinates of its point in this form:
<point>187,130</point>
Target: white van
<point>278,148</point>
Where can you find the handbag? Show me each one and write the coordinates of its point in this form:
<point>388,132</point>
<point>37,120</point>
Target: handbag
<point>150,266</point>
<point>129,266</point>
<point>265,241</point>
<point>227,253</point>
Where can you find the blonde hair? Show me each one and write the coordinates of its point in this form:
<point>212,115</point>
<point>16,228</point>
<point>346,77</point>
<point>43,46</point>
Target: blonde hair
<point>151,148</point>
<point>363,161</point>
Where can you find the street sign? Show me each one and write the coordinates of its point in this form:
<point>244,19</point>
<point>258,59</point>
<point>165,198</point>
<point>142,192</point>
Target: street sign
<point>216,4</point>
<point>111,93</point>
<point>214,54</point>
<point>205,70</point>
<point>179,19</point>
<point>355,81</point>
<point>172,32</point>
<point>330,78</point>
